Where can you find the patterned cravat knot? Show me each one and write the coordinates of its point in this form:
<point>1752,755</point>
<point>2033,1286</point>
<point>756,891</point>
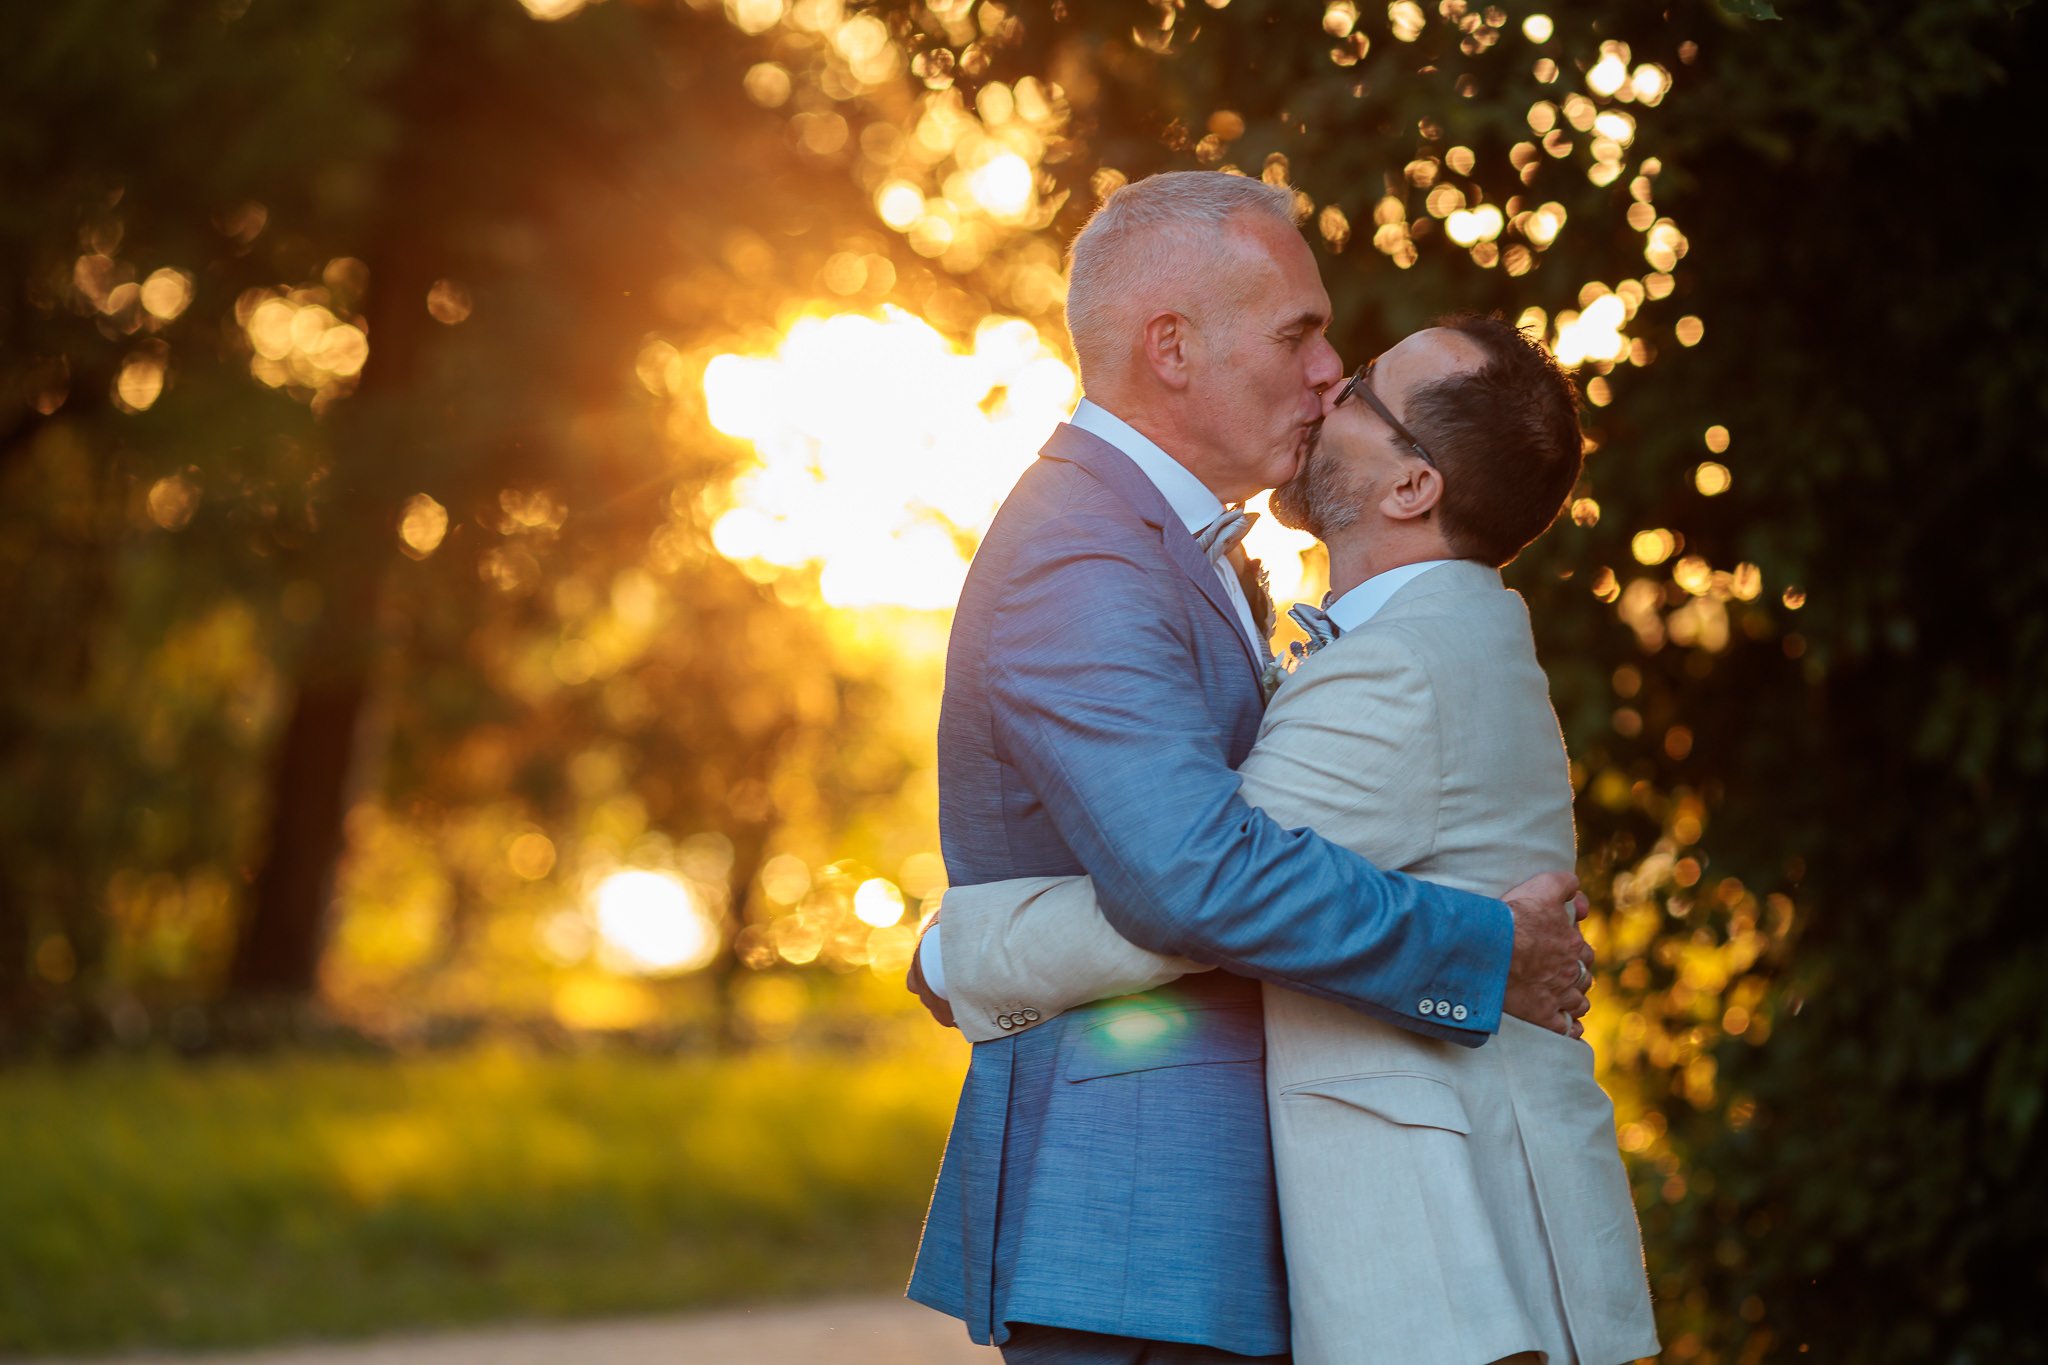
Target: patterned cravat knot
<point>1316,624</point>
<point>1225,533</point>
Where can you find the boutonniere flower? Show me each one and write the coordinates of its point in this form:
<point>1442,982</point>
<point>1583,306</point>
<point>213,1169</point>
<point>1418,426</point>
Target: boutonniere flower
<point>1273,674</point>
<point>1319,628</point>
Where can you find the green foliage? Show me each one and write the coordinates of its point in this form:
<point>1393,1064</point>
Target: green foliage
<point>148,1201</point>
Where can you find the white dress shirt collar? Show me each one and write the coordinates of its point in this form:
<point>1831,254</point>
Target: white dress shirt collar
<point>1363,602</point>
<point>1187,495</point>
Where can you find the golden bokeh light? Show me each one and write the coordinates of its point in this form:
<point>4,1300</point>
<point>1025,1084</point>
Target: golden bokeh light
<point>1712,479</point>
<point>1693,574</point>
<point>1481,224</point>
<point>1610,73</point>
<point>551,10</point>
<point>1003,185</point>
<point>140,383</point>
<point>172,500</point>
<point>421,526</point>
<point>1537,28</point>
<point>1406,19</point>
<point>531,855</point>
<point>1664,245</point>
<point>1717,438</point>
<point>1689,330</point>
<point>653,923</point>
<point>900,204</point>
<point>768,85</point>
<point>1616,126</point>
<point>300,341</point>
<point>1542,225</point>
<point>1653,546</point>
<point>923,875</point>
<point>1334,226</point>
<point>449,302</point>
<point>786,878</point>
<point>754,17</point>
<point>1593,334</point>
<point>167,293</point>
<point>878,902</point>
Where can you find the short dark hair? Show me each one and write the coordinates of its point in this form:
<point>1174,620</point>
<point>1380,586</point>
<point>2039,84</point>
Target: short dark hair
<point>1506,437</point>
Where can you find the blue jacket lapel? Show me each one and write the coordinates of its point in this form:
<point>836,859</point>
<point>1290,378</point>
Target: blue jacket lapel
<point>1116,469</point>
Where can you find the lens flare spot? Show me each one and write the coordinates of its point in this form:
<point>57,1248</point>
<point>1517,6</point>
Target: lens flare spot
<point>1138,1027</point>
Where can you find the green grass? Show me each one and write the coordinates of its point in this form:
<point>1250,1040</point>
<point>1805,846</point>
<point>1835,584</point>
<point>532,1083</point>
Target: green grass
<point>153,1202</point>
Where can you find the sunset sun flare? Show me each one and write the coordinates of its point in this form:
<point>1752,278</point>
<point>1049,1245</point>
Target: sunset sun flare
<point>883,450</point>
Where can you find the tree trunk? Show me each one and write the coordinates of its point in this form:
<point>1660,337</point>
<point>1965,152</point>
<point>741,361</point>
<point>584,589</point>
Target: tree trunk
<point>279,950</point>
<point>326,744</point>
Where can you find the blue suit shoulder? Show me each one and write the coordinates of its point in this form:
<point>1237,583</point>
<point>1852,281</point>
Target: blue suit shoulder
<point>1058,495</point>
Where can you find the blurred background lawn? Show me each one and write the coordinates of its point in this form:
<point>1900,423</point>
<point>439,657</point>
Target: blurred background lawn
<point>482,488</point>
<point>261,1198</point>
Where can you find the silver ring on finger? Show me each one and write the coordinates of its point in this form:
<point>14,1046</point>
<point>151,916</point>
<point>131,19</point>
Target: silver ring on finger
<point>1585,978</point>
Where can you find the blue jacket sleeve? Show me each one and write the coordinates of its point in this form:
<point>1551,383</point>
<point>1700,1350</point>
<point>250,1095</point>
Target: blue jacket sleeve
<point>1099,707</point>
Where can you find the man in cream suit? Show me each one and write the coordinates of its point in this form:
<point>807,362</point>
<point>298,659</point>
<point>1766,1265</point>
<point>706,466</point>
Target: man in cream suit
<point>1438,1203</point>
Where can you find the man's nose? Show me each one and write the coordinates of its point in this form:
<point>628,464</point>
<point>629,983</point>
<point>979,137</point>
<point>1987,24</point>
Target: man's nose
<point>1324,369</point>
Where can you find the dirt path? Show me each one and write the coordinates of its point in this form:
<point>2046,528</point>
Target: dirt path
<point>864,1331</point>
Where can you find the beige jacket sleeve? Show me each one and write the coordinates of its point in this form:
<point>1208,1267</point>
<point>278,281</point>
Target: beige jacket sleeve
<point>1350,733</point>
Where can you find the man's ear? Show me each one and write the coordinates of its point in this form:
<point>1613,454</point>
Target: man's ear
<point>1168,343</point>
<point>1415,494</point>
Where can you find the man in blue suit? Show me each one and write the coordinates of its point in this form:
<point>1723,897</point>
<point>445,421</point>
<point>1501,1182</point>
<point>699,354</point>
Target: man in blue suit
<point>1107,1192</point>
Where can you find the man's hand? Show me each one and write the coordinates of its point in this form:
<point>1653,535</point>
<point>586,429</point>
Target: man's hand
<point>1552,966</point>
<point>936,1004</point>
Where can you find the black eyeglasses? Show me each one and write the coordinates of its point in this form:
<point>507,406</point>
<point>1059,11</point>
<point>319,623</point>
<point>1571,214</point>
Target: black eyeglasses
<point>1360,383</point>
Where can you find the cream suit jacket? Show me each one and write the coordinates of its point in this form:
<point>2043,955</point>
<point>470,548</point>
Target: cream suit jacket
<point>1438,1203</point>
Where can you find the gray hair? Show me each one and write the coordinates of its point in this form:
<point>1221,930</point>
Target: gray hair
<point>1161,229</point>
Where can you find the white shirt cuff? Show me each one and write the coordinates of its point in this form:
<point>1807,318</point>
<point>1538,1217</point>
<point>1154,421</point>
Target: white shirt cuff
<point>934,968</point>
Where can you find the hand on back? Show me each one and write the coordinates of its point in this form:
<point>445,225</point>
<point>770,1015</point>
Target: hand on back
<point>1552,964</point>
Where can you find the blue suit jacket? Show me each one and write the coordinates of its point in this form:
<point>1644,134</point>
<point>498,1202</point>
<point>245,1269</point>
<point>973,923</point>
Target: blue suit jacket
<point>1110,1170</point>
